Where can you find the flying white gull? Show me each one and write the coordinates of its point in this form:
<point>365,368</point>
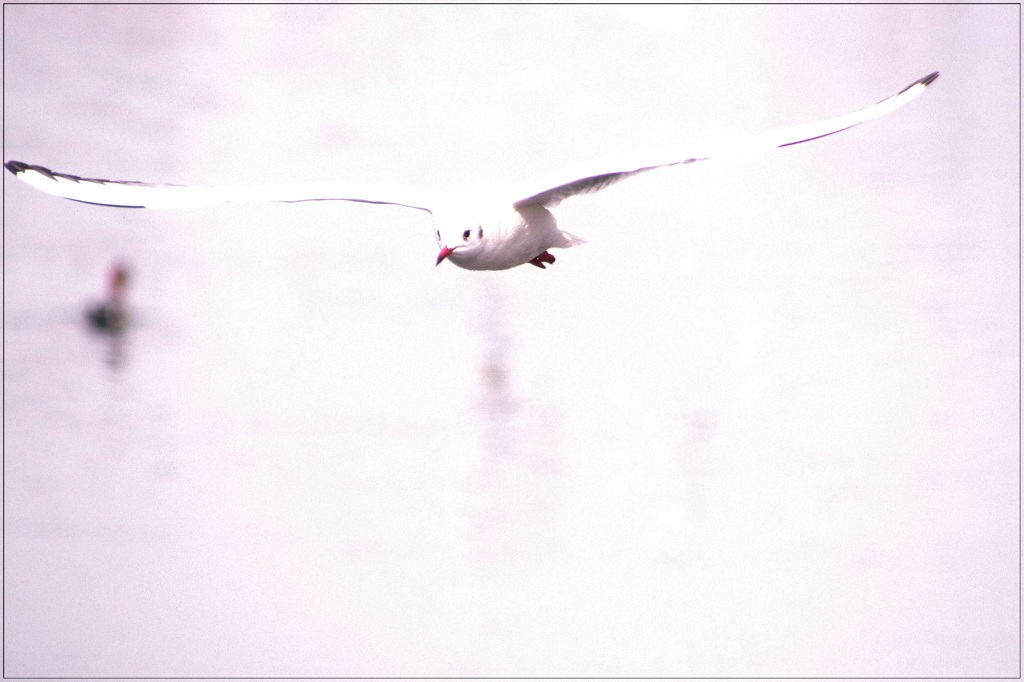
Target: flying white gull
<point>475,229</point>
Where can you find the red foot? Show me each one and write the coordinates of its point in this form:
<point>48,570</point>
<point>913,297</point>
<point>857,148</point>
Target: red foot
<point>540,260</point>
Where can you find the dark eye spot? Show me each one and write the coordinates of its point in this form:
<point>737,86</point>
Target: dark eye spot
<point>465,236</point>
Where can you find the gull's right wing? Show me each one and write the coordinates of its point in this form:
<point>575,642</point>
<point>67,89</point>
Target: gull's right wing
<point>130,194</point>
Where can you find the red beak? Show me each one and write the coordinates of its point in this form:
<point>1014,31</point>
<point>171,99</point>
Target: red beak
<point>445,252</point>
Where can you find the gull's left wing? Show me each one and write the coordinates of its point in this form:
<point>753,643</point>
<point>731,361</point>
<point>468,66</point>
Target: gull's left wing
<point>129,194</point>
<point>582,181</point>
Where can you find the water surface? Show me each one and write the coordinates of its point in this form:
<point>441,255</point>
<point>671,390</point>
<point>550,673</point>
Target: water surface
<point>764,424</point>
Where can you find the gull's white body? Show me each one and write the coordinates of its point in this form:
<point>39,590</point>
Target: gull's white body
<point>475,229</point>
<point>511,236</point>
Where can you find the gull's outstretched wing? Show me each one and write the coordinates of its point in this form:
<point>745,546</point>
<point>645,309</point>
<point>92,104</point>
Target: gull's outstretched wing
<point>587,181</point>
<point>144,195</point>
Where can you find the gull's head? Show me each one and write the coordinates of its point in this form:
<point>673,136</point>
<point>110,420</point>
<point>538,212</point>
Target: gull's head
<point>460,246</point>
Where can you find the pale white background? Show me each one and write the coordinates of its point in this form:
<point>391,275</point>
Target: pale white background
<point>764,425</point>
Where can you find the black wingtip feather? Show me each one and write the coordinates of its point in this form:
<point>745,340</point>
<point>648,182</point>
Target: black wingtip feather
<point>927,80</point>
<point>16,167</point>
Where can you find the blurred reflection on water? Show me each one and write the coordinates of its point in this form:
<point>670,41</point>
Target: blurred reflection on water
<point>519,478</point>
